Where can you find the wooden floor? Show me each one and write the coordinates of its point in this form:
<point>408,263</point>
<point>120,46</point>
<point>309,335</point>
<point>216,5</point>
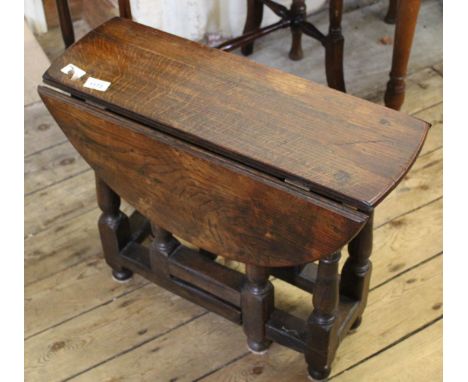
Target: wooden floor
<point>82,326</point>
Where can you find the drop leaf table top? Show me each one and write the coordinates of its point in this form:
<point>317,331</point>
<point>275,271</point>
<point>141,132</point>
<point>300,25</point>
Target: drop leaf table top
<point>333,144</point>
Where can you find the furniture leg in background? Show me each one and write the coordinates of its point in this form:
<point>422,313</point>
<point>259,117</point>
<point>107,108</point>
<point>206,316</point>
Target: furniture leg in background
<point>390,18</point>
<point>356,272</point>
<point>253,22</point>
<point>66,22</point>
<point>298,14</point>
<point>334,44</point>
<point>407,15</point>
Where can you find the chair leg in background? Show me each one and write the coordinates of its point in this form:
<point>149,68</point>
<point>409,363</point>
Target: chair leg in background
<point>298,12</point>
<point>253,22</point>
<point>407,16</point>
<point>334,45</point>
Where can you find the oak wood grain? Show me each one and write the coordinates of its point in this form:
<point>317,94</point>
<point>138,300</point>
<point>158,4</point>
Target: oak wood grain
<point>213,203</point>
<point>339,146</point>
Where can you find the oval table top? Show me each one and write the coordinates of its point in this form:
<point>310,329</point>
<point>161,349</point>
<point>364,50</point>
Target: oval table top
<point>335,145</point>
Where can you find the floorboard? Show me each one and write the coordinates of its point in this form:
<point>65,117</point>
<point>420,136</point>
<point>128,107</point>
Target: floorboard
<point>424,365</point>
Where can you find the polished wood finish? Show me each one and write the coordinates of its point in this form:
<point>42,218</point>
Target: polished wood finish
<point>361,158</point>
<point>202,206</point>
<point>407,15</point>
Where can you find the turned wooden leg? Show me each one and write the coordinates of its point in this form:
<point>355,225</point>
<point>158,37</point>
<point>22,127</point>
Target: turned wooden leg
<point>253,22</point>
<point>161,248</point>
<point>334,44</point>
<point>125,9</point>
<point>257,303</point>
<point>298,14</point>
<point>407,16</point>
<point>114,228</point>
<point>390,18</point>
<point>322,338</point>
<point>65,21</point>
<point>356,272</point>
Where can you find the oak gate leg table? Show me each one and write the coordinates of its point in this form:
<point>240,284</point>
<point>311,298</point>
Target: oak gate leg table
<point>281,187</point>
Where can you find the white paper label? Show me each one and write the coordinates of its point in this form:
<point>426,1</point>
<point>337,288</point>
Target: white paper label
<point>74,70</point>
<point>94,83</point>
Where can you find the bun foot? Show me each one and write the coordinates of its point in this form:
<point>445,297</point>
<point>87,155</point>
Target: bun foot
<point>122,276</point>
<point>355,325</point>
<point>319,376</point>
<point>258,348</point>
<point>296,55</point>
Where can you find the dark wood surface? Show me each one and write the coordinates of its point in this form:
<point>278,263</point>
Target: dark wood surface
<point>216,204</point>
<point>348,149</point>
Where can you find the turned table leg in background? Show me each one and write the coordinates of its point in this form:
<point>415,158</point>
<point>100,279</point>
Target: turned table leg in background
<point>65,20</point>
<point>114,228</point>
<point>252,22</point>
<point>257,303</point>
<point>125,9</point>
<point>298,13</point>
<point>391,16</point>
<point>407,15</point>
<point>334,45</point>
<point>321,327</point>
